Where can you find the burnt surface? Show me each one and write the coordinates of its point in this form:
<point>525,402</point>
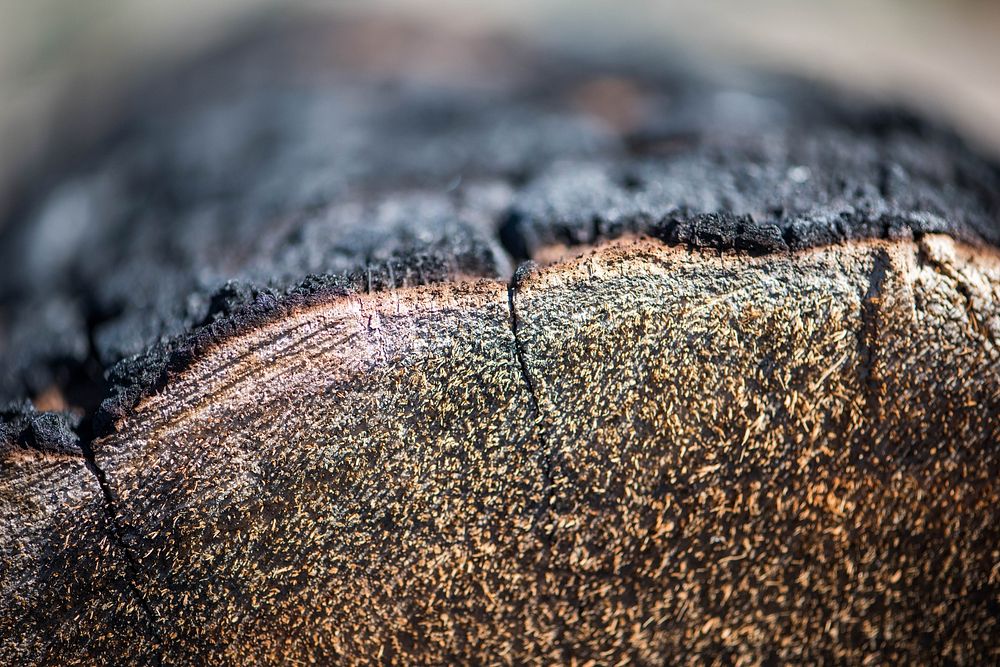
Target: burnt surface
<point>279,159</point>
<point>23,426</point>
<point>717,441</point>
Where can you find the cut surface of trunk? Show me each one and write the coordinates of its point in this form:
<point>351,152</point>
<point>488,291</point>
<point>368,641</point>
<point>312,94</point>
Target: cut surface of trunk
<point>477,373</point>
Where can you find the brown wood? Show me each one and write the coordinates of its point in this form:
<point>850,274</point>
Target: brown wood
<point>732,406</point>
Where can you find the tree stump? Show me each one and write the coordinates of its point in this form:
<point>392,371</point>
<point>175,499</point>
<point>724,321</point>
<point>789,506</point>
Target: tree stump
<point>348,350</point>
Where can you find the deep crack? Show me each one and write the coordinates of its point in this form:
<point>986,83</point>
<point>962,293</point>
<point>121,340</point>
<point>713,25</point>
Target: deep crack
<point>868,333</point>
<point>522,271</point>
<point>545,454</point>
<point>132,567</point>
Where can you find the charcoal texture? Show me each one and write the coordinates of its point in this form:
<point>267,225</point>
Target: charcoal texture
<point>358,339</point>
<point>273,162</point>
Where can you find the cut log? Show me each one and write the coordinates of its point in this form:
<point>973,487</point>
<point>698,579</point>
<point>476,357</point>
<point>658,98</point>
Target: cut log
<point>456,372</point>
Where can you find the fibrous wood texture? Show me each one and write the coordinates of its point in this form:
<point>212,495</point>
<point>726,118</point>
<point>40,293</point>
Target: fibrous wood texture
<point>539,361</point>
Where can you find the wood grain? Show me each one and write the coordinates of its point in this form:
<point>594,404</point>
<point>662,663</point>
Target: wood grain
<point>658,451</point>
<point>329,362</point>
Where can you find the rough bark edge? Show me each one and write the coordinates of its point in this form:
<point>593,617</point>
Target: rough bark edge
<point>133,379</point>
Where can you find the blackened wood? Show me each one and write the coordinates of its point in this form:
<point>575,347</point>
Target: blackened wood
<point>739,400</point>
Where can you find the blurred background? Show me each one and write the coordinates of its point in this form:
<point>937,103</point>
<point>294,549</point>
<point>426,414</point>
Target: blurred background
<point>65,65</point>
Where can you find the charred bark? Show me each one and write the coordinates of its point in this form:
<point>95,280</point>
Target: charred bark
<point>294,400</point>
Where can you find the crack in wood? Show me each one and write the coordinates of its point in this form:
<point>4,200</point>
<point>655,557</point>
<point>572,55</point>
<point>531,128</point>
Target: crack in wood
<point>545,454</point>
<point>868,334</point>
<point>131,563</point>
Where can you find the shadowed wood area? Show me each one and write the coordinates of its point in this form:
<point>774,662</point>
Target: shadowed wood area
<point>372,368</point>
